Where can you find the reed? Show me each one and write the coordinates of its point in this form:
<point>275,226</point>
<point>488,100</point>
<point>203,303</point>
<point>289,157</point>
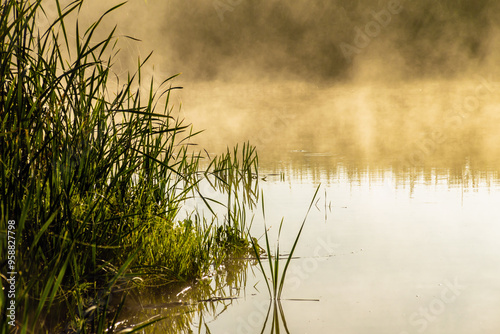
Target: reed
<point>277,276</point>
<point>93,179</point>
<point>235,173</point>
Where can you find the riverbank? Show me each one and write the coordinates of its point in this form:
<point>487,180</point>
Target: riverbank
<point>94,174</point>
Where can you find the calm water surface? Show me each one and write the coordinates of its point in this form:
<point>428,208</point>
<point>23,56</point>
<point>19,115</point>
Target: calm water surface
<point>382,252</point>
<point>391,245</point>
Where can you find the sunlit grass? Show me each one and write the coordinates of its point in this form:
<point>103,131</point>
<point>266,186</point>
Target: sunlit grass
<point>95,178</point>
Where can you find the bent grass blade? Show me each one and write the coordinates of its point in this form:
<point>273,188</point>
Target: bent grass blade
<point>278,279</point>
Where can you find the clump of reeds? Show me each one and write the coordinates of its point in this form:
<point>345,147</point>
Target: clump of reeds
<point>93,179</point>
<point>236,174</point>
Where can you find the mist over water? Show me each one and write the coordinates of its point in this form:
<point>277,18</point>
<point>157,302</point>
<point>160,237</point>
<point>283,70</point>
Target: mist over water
<point>411,82</point>
<point>307,40</point>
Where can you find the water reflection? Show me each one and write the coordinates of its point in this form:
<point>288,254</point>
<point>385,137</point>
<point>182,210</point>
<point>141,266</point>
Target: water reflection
<point>306,167</point>
<point>390,237</point>
<point>278,319</point>
<point>180,307</point>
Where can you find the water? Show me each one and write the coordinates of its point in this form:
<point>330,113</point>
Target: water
<point>403,237</point>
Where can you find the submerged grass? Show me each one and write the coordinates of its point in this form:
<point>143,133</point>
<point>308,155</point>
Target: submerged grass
<point>92,181</point>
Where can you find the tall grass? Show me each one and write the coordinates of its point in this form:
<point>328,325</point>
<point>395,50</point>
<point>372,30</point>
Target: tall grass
<point>93,178</point>
<point>276,274</point>
<point>235,174</point>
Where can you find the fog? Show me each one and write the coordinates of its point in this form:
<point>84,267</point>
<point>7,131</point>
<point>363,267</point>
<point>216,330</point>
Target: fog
<point>398,80</point>
<point>303,40</point>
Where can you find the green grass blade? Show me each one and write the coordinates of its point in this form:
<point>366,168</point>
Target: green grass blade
<point>282,282</point>
<point>259,261</point>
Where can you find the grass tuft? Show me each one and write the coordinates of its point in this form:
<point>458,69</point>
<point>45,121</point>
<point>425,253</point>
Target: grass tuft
<point>94,178</point>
